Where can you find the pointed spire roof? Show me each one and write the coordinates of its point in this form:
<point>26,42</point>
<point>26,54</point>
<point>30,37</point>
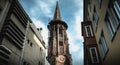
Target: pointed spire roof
<point>57,15</point>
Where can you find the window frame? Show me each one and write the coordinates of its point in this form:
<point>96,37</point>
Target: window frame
<point>90,4</point>
<point>103,45</point>
<point>96,55</point>
<point>116,7</point>
<point>112,19</point>
<point>61,32</point>
<point>95,18</point>
<point>60,43</point>
<point>61,47</point>
<point>86,30</point>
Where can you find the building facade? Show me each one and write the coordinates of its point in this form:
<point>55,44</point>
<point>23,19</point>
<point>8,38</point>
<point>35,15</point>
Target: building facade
<point>34,50</point>
<point>58,47</point>
<point>101,27</point>
<point>91,52</point>
<point>20,41</point>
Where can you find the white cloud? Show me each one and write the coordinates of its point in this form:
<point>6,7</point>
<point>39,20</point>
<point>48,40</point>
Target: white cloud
<point>79,2</point>
<point>78,19</point>
<point>77,35</point>
<point>43,8</point>
<point>78,27</point>
<point>76,49</point>
<point>73,47</point>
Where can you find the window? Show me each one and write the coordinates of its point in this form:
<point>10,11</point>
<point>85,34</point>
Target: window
<point>31,44</point>
<point>112,18</point>
<point>61,50</point>
<point>88,18</point>
<point>25,63</point>
<point>89,1</point>
<point>89,4</point>
<point>61,47</point>
<point>39,63</point>
<point>99,2</point>
<point>94,55</point>
<point>60,32</point>
<point>111,28</point>
<point>95,18</point>
<point>88,30</point>
<point>103,45</point>
<point>40,49</point>
<point>28,41</point>
<point>0,9</point>
<point>61,43</point>
<point>1,6</point>
<point>116,4</point>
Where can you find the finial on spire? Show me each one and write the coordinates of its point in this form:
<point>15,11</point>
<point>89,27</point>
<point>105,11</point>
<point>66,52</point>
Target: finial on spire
<point>57,15</point>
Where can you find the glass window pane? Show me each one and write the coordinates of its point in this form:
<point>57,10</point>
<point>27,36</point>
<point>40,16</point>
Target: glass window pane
<point>94,56</point>
<point>103,45</point>
<point>88,31</point>
<point>117,8</point>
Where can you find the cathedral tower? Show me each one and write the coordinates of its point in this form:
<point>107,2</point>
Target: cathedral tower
<point>58,47</point>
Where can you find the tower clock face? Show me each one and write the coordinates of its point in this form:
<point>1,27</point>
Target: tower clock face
<point>61,59</point>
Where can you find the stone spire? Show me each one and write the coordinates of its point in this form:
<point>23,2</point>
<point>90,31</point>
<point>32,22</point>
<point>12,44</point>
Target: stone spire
<point>57,15</point>
<point>58,46</point>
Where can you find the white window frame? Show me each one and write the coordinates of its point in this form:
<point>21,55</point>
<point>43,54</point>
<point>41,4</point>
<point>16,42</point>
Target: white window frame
<point>90,49</point>
<point>90,31</point>
<point>117,8</point>
<point>95,18</point>
<point>109,29</point>
<point>112,18</point>
<point>103,45</point>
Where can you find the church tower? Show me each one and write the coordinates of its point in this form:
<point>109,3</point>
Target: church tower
<point>58,47</point>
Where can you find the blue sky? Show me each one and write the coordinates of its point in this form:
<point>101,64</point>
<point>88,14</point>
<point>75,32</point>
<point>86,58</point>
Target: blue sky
<point>42,11</point>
